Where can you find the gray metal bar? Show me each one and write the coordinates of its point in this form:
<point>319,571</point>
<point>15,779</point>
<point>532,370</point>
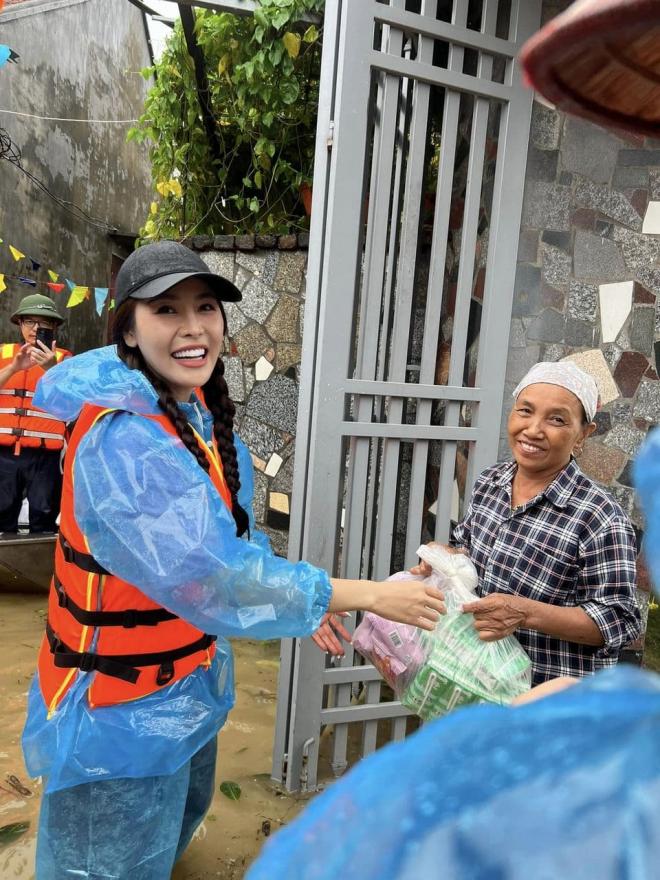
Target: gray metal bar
<point>503,246</point>
<point>441,30</point>
<point>349,674</point>
<point>290,648</point>
<point>362,713</point>
<point>405,282</point>
<point>439,76</point>
<point>355,537</point>
<point>435,288</point>
<point>398,729</point>
<point>370,728</point>
<point>469,235</point>
<point>412,390</point>
<point>406,432</point>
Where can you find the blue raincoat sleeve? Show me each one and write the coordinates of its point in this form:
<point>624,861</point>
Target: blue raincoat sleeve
<point>647,482</point>
<point>152,516</point>
<point>246,492</point>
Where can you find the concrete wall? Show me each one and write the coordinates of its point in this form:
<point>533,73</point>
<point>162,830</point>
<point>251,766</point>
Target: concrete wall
<point>78,59</point>
<point>262,364</point>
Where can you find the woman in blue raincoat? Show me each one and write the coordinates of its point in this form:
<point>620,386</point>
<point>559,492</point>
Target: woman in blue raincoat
<point>157,562</point>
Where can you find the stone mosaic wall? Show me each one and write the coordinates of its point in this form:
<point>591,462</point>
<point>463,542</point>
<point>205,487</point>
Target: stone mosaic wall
<point>261,366</point>
<point>588,283</point>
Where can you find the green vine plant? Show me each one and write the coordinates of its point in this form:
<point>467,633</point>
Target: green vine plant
<point>263,74</point>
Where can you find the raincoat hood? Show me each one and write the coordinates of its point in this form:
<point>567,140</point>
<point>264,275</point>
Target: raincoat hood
<point>98,377</point>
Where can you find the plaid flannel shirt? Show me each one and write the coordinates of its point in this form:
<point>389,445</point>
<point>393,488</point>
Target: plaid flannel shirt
<point>570,545</point>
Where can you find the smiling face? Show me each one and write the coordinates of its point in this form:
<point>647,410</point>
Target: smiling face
<point>180,335</point>
<point>546,425</point>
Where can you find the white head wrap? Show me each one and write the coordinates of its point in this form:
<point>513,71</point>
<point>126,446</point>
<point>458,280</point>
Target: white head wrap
<point>567,375</point>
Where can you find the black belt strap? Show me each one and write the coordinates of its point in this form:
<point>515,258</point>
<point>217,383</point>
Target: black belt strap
<point>83,560</point>
<point>123,665</point>
<point>128,618</point>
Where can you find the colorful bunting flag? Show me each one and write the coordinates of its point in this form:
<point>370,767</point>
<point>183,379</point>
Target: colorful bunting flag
<point>100,295</point>
<point>3,286</point>
<point>16,254</point>
<point>52,275</point>
<point>78,294</point>
<point>29,281</point>
<point>70,284</point>
<point>56,288</point>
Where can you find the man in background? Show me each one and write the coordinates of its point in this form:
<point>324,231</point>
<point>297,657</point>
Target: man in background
<point>31,441</point>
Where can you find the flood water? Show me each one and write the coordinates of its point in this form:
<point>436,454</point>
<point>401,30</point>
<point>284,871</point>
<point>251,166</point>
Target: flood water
<point>233,831</point>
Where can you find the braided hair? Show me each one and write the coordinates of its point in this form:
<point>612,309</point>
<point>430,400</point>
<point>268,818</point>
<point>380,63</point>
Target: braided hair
<point>217,399</point>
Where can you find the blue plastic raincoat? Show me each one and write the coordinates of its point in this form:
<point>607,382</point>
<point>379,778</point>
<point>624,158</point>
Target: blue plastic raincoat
<point>152,516</point>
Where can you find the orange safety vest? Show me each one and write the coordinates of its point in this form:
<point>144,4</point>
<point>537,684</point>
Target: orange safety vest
<point>21,424</point>
<point>100,622</point>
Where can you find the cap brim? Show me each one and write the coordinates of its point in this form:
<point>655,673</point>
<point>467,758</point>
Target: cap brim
<point>222,287</point>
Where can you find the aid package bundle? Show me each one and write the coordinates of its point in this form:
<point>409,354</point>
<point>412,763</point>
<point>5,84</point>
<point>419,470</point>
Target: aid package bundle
<point>435,672</point>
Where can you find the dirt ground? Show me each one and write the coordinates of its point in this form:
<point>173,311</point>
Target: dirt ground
<point>233,831</point>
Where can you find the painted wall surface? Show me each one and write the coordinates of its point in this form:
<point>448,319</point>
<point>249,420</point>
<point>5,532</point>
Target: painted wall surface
<point>79,59</point>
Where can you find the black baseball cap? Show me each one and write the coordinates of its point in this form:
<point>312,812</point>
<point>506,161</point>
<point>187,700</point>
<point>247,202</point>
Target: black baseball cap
<point>155,268</point>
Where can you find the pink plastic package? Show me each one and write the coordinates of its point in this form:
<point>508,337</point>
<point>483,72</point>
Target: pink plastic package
<point>393,648</point>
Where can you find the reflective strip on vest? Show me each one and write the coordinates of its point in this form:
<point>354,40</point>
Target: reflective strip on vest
<point>20,432</point>
<point>7,350</point>
<point>18,392</point>
<point>17,411</point>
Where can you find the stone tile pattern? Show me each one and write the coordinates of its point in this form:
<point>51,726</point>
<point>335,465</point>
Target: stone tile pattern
<point>582,226</point>
<point>265,330</point>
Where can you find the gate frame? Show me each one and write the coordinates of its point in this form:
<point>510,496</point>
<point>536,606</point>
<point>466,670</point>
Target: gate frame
<point>334,252</point>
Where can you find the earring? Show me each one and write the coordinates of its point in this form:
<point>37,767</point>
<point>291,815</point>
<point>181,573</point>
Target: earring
<point>578,451</point>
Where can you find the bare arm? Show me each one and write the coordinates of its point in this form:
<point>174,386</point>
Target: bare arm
<point>411,602</point>
<point>500,614</point>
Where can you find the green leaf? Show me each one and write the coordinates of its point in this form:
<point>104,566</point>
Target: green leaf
<point>289,91</point>
<point>258,180</point>
<point>254,205</point>
<point>311,35</point>
<point>292,44</point>
<point>232,790</point>
<point>10,833</point>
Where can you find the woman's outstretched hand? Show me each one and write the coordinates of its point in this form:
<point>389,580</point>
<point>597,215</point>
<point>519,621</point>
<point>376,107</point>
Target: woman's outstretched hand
<point>327,633</point>
<point>412,602</point>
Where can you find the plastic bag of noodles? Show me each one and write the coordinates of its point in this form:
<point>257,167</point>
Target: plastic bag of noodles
<point>395,649</point>
<point>459,668</point>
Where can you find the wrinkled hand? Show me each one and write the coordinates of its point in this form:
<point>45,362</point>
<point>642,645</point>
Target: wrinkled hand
<point>23,358</point>
<point>497,615</point>
<point>42,356</point>
<point>423,569</point>
<point>412,602</point>
<point>325,636</point>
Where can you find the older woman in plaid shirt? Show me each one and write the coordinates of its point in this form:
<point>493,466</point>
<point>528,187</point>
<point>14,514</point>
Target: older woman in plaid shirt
<point>555,553</point>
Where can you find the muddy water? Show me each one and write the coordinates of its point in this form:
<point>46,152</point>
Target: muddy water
<point>233,831</point>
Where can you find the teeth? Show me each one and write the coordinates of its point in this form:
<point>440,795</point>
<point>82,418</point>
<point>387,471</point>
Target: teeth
<point>530,448</point>
<point>189,353</point>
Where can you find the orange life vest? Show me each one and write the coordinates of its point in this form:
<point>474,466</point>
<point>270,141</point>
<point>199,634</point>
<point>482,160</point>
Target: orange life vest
<point>22,424</point>
<point>99,622</point>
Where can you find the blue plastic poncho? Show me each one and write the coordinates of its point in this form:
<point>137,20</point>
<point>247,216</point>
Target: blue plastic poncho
<point>567,787</point>
<point>152,516</point>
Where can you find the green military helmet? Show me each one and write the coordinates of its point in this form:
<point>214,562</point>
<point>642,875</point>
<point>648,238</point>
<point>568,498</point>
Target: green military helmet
<point>36,305</point>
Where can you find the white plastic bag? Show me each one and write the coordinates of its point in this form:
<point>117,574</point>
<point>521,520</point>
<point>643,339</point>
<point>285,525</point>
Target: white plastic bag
<point>459,668</point>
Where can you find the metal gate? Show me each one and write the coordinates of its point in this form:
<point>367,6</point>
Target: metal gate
<point>421,148</point>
